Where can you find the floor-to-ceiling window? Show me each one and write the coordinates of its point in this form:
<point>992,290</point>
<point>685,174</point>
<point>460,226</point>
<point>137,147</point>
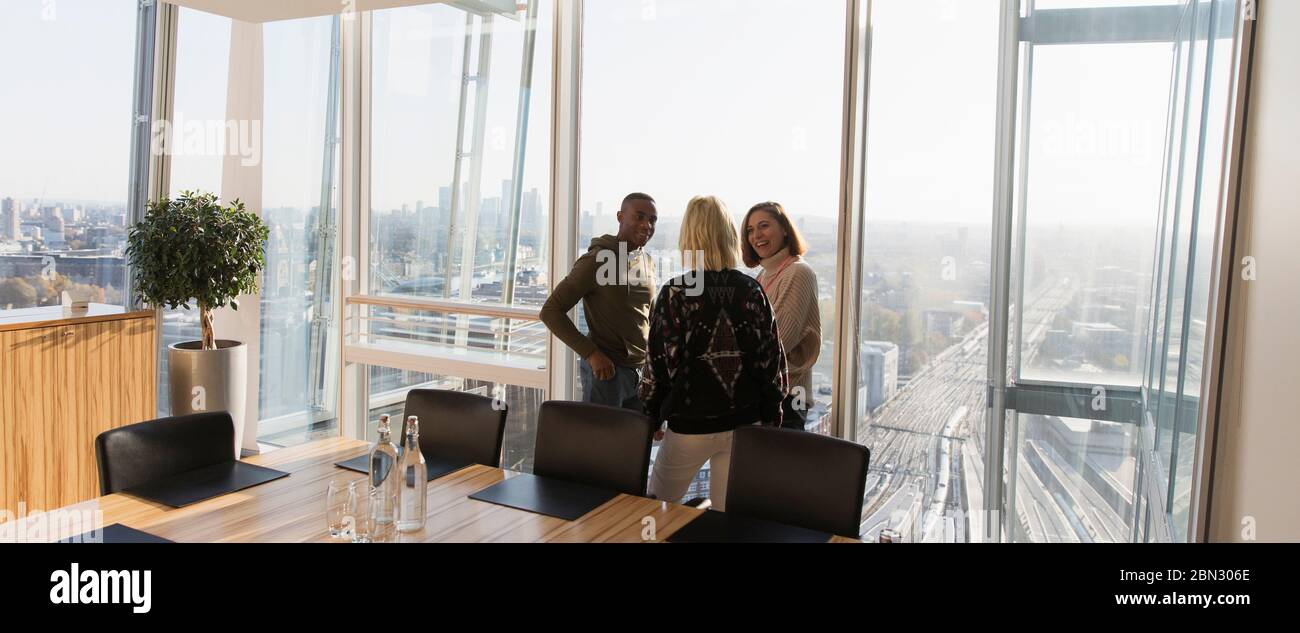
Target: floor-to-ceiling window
<point>1118,150</point>
<point>292,146</point>
<point>66,125</point>
<point>1105,163</point>
<point>458,241</point>
<point>1186,256</point>
<point>300,131</point>
<point>1092,119</point>
<point>741,100</point>
<point>923,328</point>
<point>193,150</point>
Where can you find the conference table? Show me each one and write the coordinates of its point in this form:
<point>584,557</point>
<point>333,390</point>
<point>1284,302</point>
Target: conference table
<point>292,509</point>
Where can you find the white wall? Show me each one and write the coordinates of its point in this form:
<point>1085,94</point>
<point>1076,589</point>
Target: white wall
<point>1257,471</point>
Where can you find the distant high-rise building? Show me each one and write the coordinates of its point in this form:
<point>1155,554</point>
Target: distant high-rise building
<point>530,214</point>
<point>444,198</point>
<point>879,372</point>
<point>9,221</point>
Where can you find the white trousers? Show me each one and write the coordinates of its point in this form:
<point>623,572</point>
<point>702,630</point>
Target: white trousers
<point>680,458</point>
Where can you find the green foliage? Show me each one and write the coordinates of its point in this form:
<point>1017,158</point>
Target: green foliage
<point>193,250</point>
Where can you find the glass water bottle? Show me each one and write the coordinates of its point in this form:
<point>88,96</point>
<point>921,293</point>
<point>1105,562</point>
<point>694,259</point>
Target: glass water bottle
<point>384,477</point>
<point>414,481</point>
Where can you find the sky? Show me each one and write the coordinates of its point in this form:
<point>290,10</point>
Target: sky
<point>736,98</point>
<point>65,98</point>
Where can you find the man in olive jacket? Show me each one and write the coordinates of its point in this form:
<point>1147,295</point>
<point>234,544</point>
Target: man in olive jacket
<point>615,283</point>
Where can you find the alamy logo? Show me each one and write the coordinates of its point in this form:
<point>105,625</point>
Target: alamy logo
<point>34,525</point>
<point>93,586</point>
<point>642,268</point>
<point>209,137</point>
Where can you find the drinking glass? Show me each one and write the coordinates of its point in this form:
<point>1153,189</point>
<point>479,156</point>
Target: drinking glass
<point>336,506</point>
<point>362,504</point>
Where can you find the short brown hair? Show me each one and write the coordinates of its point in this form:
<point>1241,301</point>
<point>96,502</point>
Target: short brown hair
<point>794,239</point>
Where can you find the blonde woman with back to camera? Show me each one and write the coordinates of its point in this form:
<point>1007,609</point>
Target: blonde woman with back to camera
<point>715,362</point>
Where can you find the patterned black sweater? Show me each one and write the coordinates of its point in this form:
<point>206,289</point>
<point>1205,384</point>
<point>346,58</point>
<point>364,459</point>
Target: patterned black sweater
<point>715,362</point>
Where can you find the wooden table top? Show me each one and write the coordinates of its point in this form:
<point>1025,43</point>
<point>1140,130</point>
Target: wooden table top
<point>292,509</point>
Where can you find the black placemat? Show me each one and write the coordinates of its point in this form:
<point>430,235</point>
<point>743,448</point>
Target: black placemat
<point>437,467</point>
<point>116,533</point>
<point>193,486</point>
<point>720,527</point>
<point>553,497</point>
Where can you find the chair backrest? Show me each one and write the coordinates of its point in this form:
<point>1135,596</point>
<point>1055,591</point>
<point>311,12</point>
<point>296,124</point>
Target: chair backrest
<point>148,451</point>
<point>458,425</point>
<point>797,478</point>
<point>595,445</point>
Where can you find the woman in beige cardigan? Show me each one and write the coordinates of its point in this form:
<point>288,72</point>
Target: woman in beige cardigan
<point>773,242</point>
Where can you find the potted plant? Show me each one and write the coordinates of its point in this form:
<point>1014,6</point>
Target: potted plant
<point>194,251</point>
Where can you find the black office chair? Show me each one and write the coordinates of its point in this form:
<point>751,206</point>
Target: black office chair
<point>801,479</point>
<point>148,451</point>
<point>458,425</point>
<point>595,445</point>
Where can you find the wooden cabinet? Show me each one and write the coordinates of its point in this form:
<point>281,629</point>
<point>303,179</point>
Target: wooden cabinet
<point>63,381</point>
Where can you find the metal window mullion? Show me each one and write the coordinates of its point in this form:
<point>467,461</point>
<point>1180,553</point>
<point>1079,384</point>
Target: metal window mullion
<point>1218,327</point>
<point>146,37</point>
<point>456,202</point>
<point>164,97</point>
<point>482,86</point>
<point>852,217</point>
<point>521,147</point>
<point>1197,187</point>
<point>354,165</point>
<point>325,229</point>
<point>1167,499</point>
<point>1101,25</point>
<point>1004,157</point>
<point>566,118</point>
<point>1022,213</point>
<point>1162,225</point>
<point>1019,226</point>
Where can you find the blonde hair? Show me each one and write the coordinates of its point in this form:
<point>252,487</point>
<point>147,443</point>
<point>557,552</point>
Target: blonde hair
<point>709,229</point>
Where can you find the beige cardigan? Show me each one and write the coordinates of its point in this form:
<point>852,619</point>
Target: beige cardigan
<point>793,295</point>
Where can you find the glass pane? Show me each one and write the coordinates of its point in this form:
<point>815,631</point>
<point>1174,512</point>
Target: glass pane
<point>1094,275</point>
<point>388,389</point>
<point>64,170</point>
<point>1201,258</point>
<point>299,205</point>
<point>1075,480</point>
<point>448,114</point>
<point>1095,135</point>
<point>923,333</point>
<point>1183,189</point>
<point>289,145</point>
<point>741,100</point>
<point>199,105</point>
